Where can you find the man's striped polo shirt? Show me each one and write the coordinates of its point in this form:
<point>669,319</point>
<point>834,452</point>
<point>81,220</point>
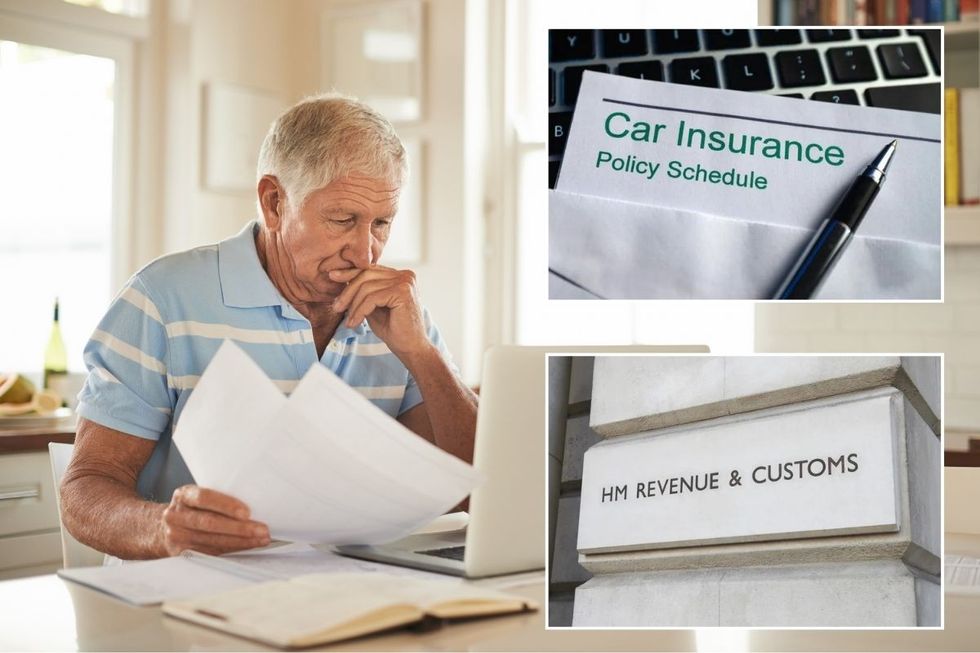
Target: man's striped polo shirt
<point>163,328</point>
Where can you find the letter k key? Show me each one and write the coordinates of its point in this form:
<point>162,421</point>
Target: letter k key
<point>697,71</point>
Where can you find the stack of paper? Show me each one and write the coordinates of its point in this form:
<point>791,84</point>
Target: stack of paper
<point>669,191</point>
<point>192,574</point>
<point>324,465</point>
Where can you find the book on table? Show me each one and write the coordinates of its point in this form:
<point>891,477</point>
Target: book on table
<point>323,608</point>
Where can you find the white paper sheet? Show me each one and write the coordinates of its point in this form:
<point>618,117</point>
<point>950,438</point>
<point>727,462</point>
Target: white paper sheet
<point>798,194</point>
<point>148,582</point>
<point>325,465</point>
<point>743,241</point>
<point>298,559</point>
<point>654,253</point>
<point>191,574</point>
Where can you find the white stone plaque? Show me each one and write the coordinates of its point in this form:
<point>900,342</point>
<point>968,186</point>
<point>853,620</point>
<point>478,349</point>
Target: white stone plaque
<point>826,469</point>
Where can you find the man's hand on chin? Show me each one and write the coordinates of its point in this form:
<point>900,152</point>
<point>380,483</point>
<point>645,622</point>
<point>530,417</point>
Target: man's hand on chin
<point>209,522</point>
<point>389,300</point>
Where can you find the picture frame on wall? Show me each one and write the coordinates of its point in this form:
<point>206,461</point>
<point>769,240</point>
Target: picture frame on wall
<point>373,51</point>
<point>235,121</point>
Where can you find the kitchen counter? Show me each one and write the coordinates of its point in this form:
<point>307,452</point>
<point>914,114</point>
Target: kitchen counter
<point>963,457</point>
<point>36,438</point>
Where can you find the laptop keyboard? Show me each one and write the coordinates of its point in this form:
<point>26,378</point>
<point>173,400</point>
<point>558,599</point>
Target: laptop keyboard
<point>451,552</point>
<point>891,68</point>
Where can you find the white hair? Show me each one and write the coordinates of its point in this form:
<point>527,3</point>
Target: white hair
<point>327,137</point>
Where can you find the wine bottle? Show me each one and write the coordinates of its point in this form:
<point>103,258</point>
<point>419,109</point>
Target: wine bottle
<point>55,359</point>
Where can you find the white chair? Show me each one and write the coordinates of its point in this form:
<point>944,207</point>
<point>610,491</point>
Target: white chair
<point>73,552</point>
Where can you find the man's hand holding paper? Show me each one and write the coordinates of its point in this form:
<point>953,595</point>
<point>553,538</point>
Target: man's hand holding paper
<point>704,193</point>
<point>210,522</point>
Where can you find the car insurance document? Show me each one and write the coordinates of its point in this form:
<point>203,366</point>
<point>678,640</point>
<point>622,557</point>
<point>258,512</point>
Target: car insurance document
<point>673,191</point>
<point>323,465</point>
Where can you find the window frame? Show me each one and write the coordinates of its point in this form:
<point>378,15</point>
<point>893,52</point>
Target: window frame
<point>44,23</point>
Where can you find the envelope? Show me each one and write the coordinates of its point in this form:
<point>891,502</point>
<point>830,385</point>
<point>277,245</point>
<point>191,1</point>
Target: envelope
<point>612,249</point>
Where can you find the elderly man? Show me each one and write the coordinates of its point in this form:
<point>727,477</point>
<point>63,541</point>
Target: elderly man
<point>299,287</point>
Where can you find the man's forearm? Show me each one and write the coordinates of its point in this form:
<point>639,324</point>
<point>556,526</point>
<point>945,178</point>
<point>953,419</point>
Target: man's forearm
<point>108,516</point>
<point>450,405</point>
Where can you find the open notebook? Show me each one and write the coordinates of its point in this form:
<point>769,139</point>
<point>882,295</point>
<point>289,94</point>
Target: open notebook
<point>322,608</point>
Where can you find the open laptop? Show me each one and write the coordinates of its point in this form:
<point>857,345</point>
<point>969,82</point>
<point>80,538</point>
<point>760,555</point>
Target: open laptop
<point>507,511</point>
<point>506,532</point>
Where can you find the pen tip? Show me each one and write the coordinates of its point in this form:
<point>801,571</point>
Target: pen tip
<point>878,167</point>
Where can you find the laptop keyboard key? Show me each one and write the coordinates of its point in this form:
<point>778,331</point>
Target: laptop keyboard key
<point>553,167</point>
<point>901,60</point>
<point>573,80</point>
<point>571,44</point>
<point>624,43</point>
<point>827,35</point>
<point>934,45</point>
<point>551,87</point>
<point>851,64</point>
<point>670,41</point>
<point>799,68</point>
<point>846,96</point>
<point>642,70</point>
<point>558,131</point>
<point>696,71</point>
<point>926,98</point>
<point>726,39</point>
<point>747,72</point>
<point>766,37</point>
<point>450,552</point>
<point>877,33</point>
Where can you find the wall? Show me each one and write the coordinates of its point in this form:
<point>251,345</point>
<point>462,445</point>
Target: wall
<point>274,47</point>
<point>565,573</point>
<point>952,328</point>
<point>241,42</point>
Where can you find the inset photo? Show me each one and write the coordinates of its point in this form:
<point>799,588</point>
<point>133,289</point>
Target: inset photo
<point>745,491</point>
<point>746,164</point>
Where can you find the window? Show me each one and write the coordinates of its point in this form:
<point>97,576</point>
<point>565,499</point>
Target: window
<point>125,7</point>
<point>727,327</point>
<point>63,167</point>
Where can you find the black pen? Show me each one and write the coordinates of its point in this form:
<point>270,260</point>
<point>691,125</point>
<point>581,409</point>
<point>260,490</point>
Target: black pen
<point>833,236</point>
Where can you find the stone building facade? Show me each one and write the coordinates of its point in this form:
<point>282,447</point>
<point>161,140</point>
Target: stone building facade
<point>746,491</point>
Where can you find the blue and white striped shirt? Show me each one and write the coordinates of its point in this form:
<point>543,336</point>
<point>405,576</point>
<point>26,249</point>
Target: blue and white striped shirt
<point>163,328</point>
